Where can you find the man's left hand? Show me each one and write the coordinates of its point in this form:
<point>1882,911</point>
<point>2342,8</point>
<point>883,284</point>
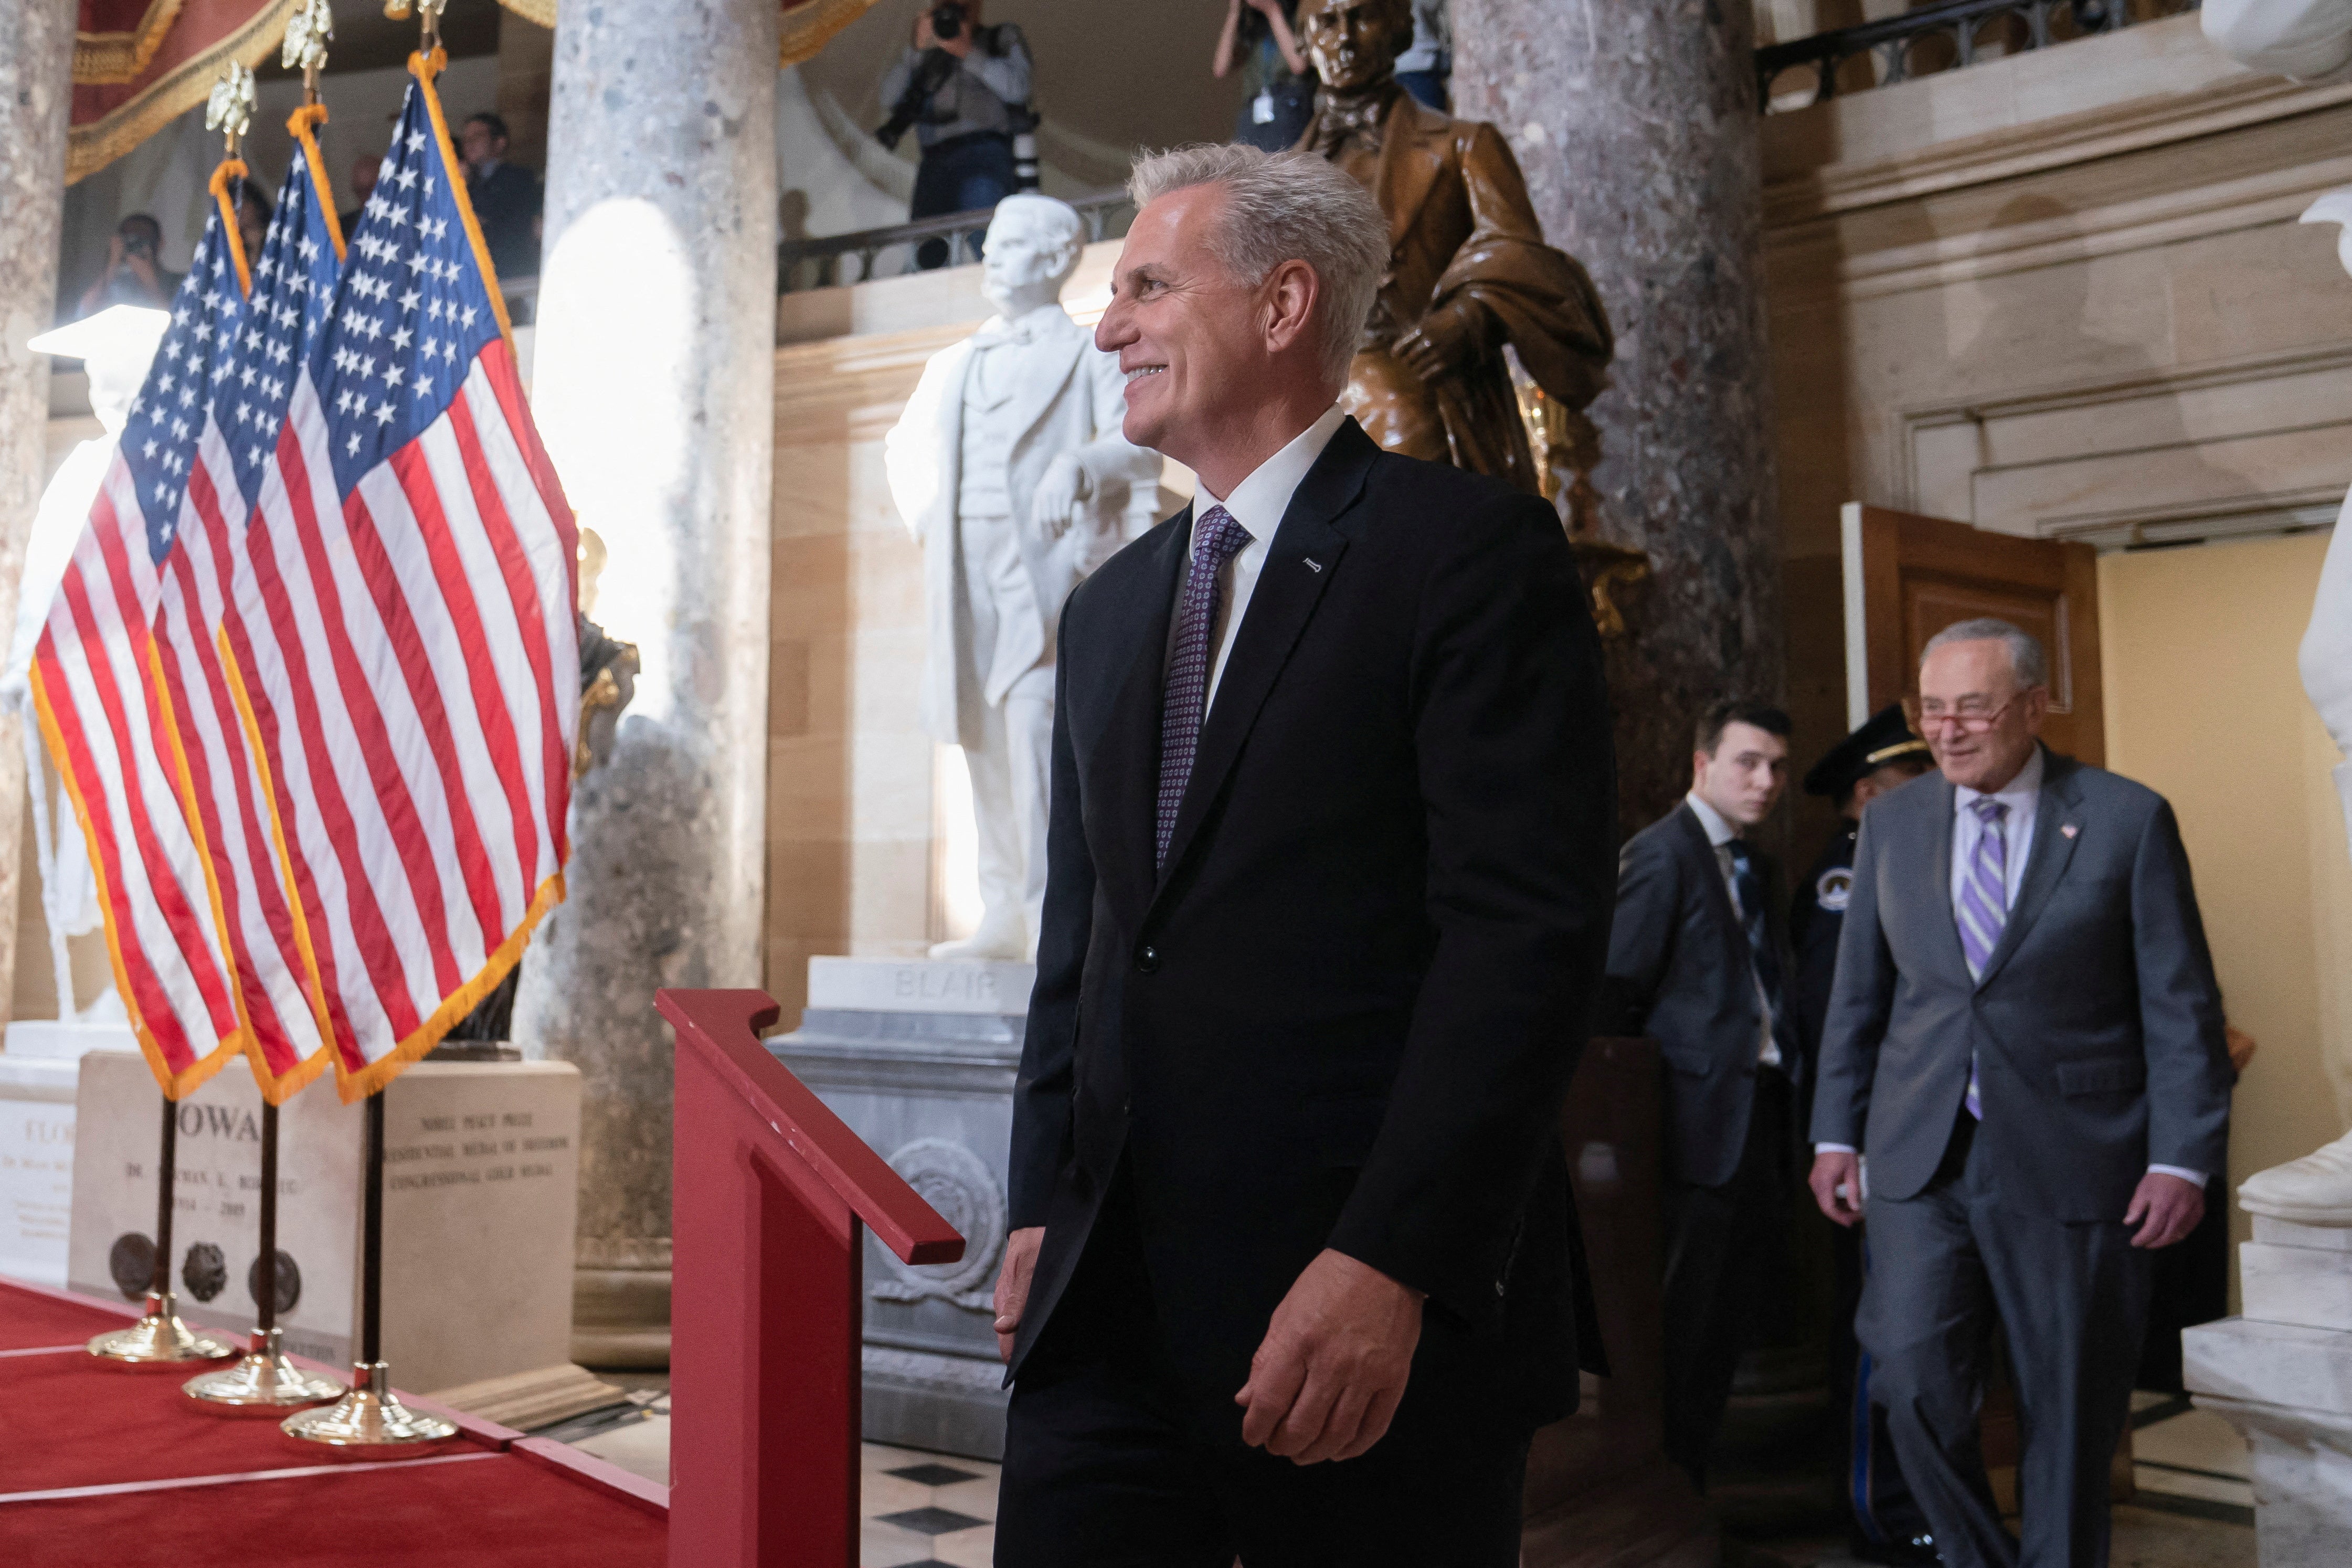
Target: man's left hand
<point>1326,1381</point>
<point>2165,1208</point>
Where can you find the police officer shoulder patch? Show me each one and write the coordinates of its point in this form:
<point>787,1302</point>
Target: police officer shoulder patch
<point>1835,890</point>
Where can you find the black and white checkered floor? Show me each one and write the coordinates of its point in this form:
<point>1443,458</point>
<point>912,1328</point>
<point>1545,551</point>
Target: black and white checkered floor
<point>2194,1508</point>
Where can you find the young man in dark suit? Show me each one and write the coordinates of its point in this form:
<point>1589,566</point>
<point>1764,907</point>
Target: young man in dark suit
<point>2026,1040</point>
<point>1326,898</point>
<point>1698,959</point>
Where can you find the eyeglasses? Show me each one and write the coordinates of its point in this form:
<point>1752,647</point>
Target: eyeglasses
<point>1969,721</point>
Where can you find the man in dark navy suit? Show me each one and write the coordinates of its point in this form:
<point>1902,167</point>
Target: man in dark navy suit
<point>1326,898</point>
<point>1698,959</point>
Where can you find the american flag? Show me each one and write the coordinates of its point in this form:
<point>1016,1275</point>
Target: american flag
<point>232,808</point>
<point>405,593</point>
<point>101,707</point>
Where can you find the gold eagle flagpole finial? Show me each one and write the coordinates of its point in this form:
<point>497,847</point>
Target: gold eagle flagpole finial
<point>229,110</point>
<point>309,31</point>
<point>428,12</point>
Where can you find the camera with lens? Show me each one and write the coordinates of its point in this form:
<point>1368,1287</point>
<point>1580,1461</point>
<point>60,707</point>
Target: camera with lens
<point>947,18</point>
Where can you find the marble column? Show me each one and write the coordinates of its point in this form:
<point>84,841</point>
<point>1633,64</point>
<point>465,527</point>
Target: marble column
<point>36,96</point>
<point>653,383</point>
<point>1637,128</point>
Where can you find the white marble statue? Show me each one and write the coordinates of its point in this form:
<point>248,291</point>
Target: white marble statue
<point>116,345</point>
<point>2308,40</point>
<point>1010,470</point>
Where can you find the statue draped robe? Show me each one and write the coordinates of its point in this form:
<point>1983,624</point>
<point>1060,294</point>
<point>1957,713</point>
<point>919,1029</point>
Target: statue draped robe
<point>1463,235</point>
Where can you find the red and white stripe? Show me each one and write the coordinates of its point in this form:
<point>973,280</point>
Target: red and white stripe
<point>412,660</point>
<point>232,809</point>
<point>110,739</point>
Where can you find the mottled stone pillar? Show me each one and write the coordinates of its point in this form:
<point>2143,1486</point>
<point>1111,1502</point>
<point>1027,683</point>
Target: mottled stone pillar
<point>1636,126</point>
<point>36,95</point>
<point>654,382</point>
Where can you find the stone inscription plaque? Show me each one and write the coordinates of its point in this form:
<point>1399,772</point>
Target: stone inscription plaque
<point>37,1138</point>
<point>481,1171</point>
<point>920,986</point>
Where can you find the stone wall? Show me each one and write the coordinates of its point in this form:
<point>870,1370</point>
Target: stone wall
<point>2091,316</point>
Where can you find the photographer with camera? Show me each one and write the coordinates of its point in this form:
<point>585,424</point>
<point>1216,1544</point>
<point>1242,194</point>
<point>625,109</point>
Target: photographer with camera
<point>134,275</point>
<point>963,87</point>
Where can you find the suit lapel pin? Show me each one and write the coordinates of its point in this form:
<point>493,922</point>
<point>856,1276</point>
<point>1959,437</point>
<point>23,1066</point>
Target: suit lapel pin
<point>1312,565</point>
<point>2070,830</point>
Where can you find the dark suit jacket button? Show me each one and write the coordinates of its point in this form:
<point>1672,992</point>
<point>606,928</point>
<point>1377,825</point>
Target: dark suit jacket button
<point>1147,959</point>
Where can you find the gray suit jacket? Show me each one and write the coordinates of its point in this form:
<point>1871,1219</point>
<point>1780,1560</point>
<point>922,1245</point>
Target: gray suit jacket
<point>2096,1023</point>
<point>1679,970</point>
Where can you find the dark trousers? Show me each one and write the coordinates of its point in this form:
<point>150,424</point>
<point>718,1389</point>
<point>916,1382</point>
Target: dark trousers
<point>2071,1303</point>
<point>1885,1512</point>
<point>1113,1460</point>
<point>963,175</point>
<point>1724,1245</point>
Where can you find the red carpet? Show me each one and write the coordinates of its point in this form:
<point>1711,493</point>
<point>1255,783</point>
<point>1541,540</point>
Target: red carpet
<point>112,1468</point>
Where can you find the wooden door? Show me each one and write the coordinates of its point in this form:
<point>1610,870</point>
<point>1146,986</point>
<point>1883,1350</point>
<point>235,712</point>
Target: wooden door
<point>1908,577</point>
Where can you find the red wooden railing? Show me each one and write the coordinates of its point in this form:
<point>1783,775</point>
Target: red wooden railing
<point>769,1191</point>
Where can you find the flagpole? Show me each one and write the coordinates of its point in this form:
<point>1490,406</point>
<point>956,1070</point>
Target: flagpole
<point>371,1414</point>
<point>264,1380</point>
<point>159,1338</point>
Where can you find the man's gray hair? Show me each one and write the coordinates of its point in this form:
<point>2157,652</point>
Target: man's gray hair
<point>1285,207</point>
<point>2025,655</point>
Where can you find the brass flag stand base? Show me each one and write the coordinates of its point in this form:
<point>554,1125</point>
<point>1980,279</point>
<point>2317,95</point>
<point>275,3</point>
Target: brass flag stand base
<point>370,1414</point>
<point>159,1339</point>
<point>264,1380</point>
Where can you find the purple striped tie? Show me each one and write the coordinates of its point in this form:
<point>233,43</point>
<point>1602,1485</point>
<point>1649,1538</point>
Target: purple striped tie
<point>1217,539</point>
<point>1984,906</point>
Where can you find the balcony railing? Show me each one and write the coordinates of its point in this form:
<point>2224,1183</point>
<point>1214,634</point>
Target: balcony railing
<point>818,263</point>
<point>1942,37</point>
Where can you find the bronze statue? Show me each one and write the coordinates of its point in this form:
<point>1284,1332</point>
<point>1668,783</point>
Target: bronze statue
<point>1469,270</point>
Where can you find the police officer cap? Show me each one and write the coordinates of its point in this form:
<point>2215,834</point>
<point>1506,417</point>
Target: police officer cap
<point>1887,737</point>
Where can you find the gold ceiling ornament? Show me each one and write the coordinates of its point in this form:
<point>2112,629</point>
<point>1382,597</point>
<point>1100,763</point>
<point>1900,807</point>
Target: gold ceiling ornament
<point>100,58</point>
<point>309,31</point>
<point>229,110</point>
<point>92,144</point>
<point>808,24</point>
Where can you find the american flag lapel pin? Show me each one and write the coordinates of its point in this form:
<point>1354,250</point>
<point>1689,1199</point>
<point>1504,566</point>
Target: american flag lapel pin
<point>2070,830</point>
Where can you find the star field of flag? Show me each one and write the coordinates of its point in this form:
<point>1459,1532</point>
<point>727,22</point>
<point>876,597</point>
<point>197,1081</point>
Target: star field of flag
<point>410,312</point>
<point>197,354</point>
<point>293,291</point>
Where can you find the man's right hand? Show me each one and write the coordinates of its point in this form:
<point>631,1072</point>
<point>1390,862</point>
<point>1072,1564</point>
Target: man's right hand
<point>1012,1284</point>
<point>1836,1182</point>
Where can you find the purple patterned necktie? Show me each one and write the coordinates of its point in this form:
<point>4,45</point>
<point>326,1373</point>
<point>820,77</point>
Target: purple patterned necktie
<point>1217,539</point>
<point>1984,906</point>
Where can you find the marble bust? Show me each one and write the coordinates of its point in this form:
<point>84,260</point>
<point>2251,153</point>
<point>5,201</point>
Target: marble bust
<point>1009,469</point>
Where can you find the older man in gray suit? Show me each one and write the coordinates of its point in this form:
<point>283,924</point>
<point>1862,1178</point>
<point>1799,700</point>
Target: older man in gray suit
<point>2026,1040</point>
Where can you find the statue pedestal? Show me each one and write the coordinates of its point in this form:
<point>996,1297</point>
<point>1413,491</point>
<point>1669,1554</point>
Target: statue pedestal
<point>37,1071</point>
<point>2282,1374</point>
<point>481,1183</point>
<point>918,1058</point>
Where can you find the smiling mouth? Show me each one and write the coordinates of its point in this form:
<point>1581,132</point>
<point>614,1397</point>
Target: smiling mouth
<point>1135,375</point>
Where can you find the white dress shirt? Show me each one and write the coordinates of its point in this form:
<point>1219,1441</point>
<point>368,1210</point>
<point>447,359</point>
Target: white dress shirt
<point>1257,504</point>
<point>1720,833</point>
<point>2023,795</point>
